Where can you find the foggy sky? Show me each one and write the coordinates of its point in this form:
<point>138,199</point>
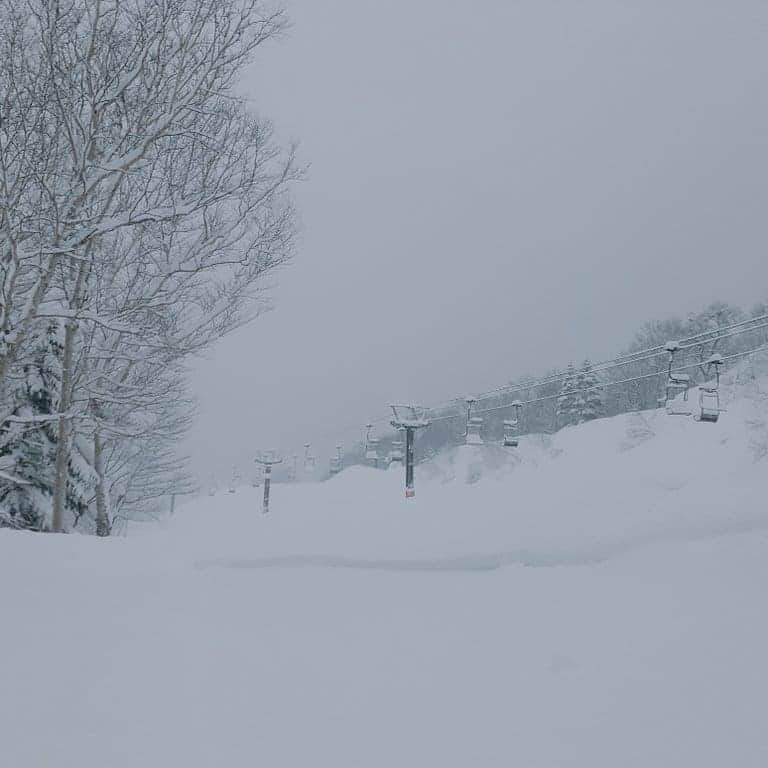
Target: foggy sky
<point>495,188</point>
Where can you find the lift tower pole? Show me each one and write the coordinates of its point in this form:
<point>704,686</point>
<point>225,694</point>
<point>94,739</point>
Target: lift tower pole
<point>409,418</point>
<point>267,459</point>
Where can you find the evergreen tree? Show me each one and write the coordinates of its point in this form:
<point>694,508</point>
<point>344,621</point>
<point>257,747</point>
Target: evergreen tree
<point>28,449</point>
<point>581,398</point>
<point>589,400</point>
<point>568,402</point>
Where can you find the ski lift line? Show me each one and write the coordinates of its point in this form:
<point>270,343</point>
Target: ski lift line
<point>638,357</point>
<point>617,362</point>
<point>626,381</point>
<point>544,398</point>
<point>600,367</point>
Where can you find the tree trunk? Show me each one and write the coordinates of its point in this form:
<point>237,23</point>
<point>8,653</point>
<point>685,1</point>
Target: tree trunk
<point>102,513</point>
<point>65,430</point>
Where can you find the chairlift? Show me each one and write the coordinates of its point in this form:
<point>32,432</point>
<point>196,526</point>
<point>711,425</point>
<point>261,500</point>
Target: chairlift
<point>474,425</point>
<point>372,451</point>
<point>371,447</point>
<point>709,405</point>
<point>474,428</point>
<point>510,434</point>
<point>676,383</point>
<point>709,396</point>
<point>396,452</point>
<point>337,461</point>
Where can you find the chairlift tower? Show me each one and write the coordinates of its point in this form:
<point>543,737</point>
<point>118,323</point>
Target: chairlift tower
<point>309,460</point>
<point>408,418</point>
<point>267,459</point>
<point>292,467</point>
<point>470,401</point>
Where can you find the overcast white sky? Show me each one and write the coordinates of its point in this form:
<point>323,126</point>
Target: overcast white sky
<point>496,187</point>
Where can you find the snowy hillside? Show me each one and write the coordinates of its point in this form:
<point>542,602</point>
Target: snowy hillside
<point>593,598</point>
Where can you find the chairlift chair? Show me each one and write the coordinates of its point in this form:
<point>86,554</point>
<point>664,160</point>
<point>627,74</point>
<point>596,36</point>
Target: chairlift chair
<point>676,383</point>
<point>709,396</point>
<point>337,461</point>
<point>510,436</point>
<point>474,428</point>
<point>396,452</point>
<point>372,451</point>
<point>709,405</point>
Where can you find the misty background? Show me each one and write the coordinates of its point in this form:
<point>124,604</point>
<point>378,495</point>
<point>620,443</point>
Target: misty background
<point>495,188</point>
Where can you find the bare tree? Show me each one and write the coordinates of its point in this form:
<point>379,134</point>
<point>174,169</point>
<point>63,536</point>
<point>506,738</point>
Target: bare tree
<point>140,203</point>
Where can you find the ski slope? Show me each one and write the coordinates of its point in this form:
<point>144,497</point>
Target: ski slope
<point>593,598</point>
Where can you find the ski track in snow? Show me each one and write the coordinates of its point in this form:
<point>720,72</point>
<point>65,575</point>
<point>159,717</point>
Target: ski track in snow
<point>491,561</point>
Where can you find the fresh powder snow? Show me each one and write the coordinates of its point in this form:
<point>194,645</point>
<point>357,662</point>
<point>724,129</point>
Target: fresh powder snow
<point>591,598</point>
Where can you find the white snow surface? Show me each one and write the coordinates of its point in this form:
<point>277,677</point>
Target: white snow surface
<point>594,598</point>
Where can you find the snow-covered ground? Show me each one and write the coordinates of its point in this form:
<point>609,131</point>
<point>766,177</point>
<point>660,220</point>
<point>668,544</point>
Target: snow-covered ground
<point>594,598</point>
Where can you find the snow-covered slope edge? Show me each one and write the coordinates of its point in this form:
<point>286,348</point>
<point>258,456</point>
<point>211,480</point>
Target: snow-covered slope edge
<point>581,495</point>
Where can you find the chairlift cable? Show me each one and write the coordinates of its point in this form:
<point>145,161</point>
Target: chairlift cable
<point>641,377</point>
<point>743,326</point>
<point>618,362</point>
<point>634,357</point>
